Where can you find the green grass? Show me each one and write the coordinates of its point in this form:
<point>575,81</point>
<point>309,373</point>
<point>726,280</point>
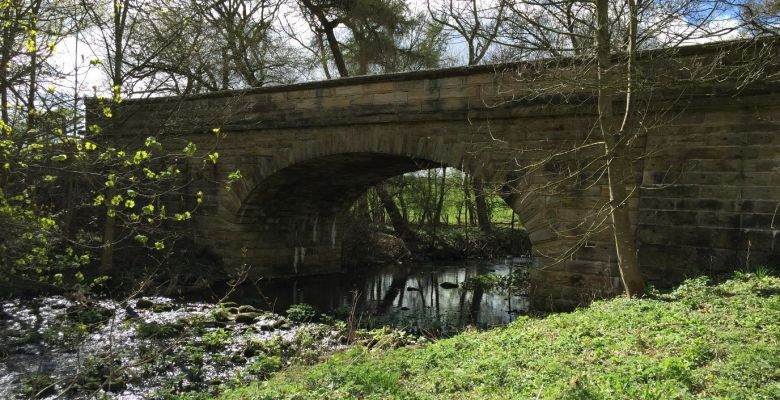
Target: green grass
<point>699,341</point>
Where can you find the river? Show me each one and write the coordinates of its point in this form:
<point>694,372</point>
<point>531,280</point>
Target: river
<point>419,297</point>
<point>153,347</point>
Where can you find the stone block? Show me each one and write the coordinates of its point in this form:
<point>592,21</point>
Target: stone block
<point>381,99</point>
<point>654,203</point>
<point>719,219</point>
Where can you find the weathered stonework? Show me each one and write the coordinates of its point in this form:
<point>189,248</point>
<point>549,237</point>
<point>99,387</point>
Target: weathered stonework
<point>705,195</point>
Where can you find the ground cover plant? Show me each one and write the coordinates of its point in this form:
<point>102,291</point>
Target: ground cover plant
<point>698,341</point>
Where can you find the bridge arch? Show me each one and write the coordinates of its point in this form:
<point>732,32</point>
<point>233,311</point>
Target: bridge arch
<point>288,207</point>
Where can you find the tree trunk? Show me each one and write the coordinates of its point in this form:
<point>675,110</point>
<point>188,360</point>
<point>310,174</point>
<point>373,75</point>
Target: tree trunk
<point>32,117</point>
<point>107,253</point>
<point>109,228</point>
<point>440,204</point>
<point>402,201</point>
<point>397,286</point>
<point>333,44</point>
<point>467,205</point>
<point>362,212</point>
<point>8,40</point>
<point>338,58</point>
<point>483,217</point>
<point>618,166</point>
<point>400,226</point>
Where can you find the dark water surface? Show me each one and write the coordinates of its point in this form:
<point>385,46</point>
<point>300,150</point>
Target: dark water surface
<point>418,297</point>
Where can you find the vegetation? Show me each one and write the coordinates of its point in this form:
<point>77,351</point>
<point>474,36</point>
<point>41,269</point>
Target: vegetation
<point>70,199</point>
<point>439,196</point>
<point>301,312</point>
<point>75,207</point>
<point>699,341</point>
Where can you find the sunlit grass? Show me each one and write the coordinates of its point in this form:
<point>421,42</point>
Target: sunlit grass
<point>700,341</point>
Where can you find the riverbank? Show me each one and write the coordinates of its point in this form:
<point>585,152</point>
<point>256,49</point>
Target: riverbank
<point>698,341</point>
<point>368,244</point>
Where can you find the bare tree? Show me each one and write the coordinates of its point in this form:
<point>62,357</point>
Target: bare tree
<point>219,46</point>
<point>475,24</point>
<point>762,17</point>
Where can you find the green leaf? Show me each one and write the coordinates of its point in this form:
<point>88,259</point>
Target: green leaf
<point>59,157</point>
<point>152,142</point>
<point>148,209</point>
<point>190,149</point>
<point>140,156</point>
<point>234,176</point>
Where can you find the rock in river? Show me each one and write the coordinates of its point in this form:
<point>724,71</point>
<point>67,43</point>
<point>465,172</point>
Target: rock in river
<point>448,285</point>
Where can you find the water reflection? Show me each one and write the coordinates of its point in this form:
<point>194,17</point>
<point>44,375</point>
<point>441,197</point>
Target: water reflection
<point>420,297</point>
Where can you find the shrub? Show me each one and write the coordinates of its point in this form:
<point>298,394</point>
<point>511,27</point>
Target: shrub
<point>155,330</point>
<point>301,312</point>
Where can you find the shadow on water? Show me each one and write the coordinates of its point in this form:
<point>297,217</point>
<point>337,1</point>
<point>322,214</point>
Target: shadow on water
<point>415,297</point>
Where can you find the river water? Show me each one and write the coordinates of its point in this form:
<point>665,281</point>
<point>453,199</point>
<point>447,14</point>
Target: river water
<point>418,297</point>
<point>54,347</point>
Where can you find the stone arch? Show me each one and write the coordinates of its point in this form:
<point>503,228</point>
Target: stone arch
<point>287,205</point>
<point>424,149</point>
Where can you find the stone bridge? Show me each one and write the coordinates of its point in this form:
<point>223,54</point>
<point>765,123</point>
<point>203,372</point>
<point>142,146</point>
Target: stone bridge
<point>706,163</point>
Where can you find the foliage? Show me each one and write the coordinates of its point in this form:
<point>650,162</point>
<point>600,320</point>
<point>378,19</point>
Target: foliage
<point>264,366</point>
<point>485,282</point>
<point>156,330</point>
<point>216,340</point>
<point>699,341</point>
<point>381,36</point>
<point>385,338</point>
<point>69,194</point>
<point>417,193</point>
<point>456,242</point>
<point>301,312</point>
<point>38,386</point>
<point>31,247</point>
<point>89,315</point>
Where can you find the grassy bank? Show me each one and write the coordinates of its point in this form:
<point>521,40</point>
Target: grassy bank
<point>700,341</point>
